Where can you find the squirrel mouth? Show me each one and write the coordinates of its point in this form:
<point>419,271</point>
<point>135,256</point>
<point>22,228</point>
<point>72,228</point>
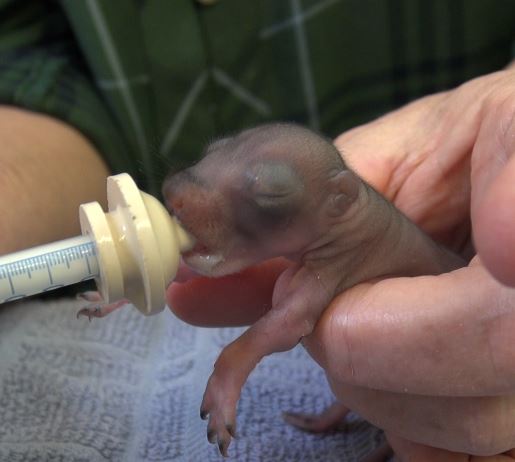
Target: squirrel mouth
<point>203,264</point>
<point>202,259</point>
<point>198,249</point>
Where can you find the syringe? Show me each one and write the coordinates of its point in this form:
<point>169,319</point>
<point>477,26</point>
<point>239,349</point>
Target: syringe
<point>132,252</point>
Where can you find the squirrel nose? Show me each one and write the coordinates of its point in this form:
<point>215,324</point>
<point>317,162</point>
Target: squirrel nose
<point>176,204</point>
<point>172,195</point>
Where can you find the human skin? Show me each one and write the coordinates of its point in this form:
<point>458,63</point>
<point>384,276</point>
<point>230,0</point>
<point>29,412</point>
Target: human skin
<point>38,203</point>
<point>436,349</point>
<point>287,192</point>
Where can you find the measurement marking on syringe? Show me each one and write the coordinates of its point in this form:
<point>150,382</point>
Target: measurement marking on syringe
<point>49,272</point>
<point>11,283</point>
<point>48,268</point>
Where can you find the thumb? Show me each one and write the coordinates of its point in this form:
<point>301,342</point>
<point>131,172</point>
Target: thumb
<point>449,334</point>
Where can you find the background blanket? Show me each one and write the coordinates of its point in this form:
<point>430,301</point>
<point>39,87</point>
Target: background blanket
<point>128,388</point>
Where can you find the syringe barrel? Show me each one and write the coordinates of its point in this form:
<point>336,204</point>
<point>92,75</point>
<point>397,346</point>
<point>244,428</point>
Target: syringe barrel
<point>47,267</point>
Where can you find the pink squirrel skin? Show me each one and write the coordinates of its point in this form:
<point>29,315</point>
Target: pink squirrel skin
<point>283,190</point>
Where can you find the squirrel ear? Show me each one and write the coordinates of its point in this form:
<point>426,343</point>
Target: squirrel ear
<point>345,190</point>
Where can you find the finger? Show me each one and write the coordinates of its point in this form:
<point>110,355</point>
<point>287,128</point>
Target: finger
<point>482,425</point>
<point>238,299</point>
<point>494,226</point>
<point>185,273</point>
<point>407,451</point>
<point>444,335</point>
<point>493,186</point>
<point>408,157</point>
<point>384,148</point>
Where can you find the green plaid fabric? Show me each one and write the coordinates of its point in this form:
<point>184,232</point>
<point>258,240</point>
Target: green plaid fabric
<point>151,81</point>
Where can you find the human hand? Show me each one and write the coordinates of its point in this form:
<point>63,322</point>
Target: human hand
<point>428,358</point>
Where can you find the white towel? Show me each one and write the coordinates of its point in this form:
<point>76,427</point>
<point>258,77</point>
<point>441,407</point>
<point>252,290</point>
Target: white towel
<point>128,388</point>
